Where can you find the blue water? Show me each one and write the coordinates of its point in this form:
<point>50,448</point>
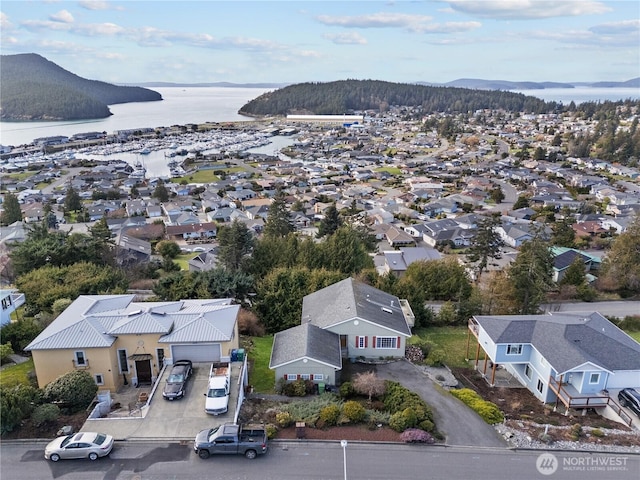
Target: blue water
<point>220,104</point>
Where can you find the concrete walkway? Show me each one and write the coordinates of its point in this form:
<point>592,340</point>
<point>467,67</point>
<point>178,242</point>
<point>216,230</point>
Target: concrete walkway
<point>460,425</point>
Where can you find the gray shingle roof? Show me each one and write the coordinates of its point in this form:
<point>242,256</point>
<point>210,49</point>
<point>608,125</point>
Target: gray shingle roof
<point>349,299</point>
<point>94,321</point>
<point>306,341</point>
<point>568,340</point>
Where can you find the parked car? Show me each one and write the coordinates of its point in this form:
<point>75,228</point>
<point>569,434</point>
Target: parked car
<point>630,398</point>
<point>175,386</point>
<point>89,445</point>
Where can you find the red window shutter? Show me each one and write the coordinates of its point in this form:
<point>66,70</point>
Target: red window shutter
<point>285,376</point>
<point>299,377</point>
<point>357,341</point>
<point>373,345</point>
<point>366,342</point>
<point>398,346</point>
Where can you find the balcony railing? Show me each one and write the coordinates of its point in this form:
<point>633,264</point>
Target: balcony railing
<point>474,327</point>
<point>81,366</point>
<point>576,400</point>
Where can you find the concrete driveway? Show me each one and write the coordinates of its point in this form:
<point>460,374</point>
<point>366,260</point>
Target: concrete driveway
<point>460,425</point>
<point>176,420</point>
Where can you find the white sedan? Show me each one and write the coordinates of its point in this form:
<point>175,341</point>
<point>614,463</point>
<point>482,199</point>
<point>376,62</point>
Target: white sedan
<point>89,445</point>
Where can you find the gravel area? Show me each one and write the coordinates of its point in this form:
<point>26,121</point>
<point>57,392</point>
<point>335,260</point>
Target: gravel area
<point>519,436</point>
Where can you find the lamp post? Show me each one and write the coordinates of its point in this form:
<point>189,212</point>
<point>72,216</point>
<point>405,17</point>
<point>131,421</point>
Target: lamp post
<point>343,443</point>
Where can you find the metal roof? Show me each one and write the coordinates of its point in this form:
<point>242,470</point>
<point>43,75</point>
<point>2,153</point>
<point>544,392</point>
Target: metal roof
<point>95,321</point>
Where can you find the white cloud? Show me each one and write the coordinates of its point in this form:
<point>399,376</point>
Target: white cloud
<point>450,27</point>
<point>5,24</point>
<point>378,20</point>
<point>98,5</point>
<point>623,27</point>
<point>527,9</point>
<point>63,16</point>
<point>346,38</point>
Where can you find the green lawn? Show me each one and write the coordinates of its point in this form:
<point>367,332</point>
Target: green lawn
<point>260,376</point>
<point>634,335</point>
<point>16,374</point>
<point>183,260</point>
<point>200,176</point>
<point>390,170</point>
<point>452,341</point>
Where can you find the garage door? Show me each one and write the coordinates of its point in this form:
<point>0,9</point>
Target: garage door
<point>197,353</point>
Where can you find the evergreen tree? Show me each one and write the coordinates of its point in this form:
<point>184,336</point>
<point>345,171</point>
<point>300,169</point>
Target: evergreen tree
<point>531,274</point>
<point>235,244</point>
<point>563,234</point>
<point>330,223</point>
<point>621,266</point>
<point>575,274</point>
<point>486,244</point>
<point>496,194</point>
<point>521,202</point>
<point>161,193</point>
<point>278,222</point>
<point>11,210</point>
<point>72,202</point>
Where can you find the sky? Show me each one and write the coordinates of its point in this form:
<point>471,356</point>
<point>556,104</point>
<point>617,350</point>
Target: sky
<point>320,41</point>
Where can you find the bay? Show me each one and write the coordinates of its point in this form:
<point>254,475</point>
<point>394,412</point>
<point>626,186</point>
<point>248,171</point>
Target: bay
<point>180,106</point>
<point>582,94</point>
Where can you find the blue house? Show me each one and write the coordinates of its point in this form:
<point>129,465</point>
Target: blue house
<point>11,300</point>
<point>578,359</point>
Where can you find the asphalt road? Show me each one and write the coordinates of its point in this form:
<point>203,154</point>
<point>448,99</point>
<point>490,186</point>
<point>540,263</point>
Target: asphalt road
<point>620,308</point>
<point>318,461</point>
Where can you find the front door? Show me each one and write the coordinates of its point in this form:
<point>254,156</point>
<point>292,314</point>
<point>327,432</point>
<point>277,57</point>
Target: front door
<point>143,369</point>
<point>343,345</point>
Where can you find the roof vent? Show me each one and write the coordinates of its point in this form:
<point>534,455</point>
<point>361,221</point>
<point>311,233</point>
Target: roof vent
<point>388,310</point>
<point>134,312</point>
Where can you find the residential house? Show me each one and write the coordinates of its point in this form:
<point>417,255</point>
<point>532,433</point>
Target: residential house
<point>397,261</point>
<point>118,340</point>
<point>11,300</point>
<point>192,231</point>
<point>307,352</point>
<point>359,321</point>
<point>514,234</point>
<point>131,250</point>
<point>578,359</point>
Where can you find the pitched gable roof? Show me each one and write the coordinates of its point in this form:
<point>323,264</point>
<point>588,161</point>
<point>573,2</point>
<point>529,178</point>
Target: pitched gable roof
<point>349,299</point>
<point>306,341</point>
<point>568,340</point>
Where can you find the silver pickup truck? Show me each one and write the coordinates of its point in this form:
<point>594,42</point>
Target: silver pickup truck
<point>232,439</point>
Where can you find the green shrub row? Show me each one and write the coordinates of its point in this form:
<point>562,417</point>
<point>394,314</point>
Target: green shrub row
<point>407,409</point>
<point>489,412</point>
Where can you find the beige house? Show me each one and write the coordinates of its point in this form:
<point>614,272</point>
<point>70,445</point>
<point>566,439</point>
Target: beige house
<point>119,341</point>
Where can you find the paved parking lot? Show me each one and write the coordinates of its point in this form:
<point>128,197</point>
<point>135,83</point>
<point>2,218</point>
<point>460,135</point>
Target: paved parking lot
<point>177,420</point>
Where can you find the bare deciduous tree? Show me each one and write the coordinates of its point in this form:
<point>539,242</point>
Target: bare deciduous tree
<point>369,384</point>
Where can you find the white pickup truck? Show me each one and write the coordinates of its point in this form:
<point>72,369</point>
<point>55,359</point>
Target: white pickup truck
<point>217,401</point>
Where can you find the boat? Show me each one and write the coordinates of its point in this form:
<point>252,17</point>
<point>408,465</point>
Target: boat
<point>144,151</point>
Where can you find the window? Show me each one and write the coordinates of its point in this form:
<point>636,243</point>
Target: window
<point>318,376</point>
<point>527,371</point>
<point>160,354</point>
<point>594,378</point>
<point>305,376</point>
<point>386,342</point>
<point>122,361</point>
<point>99,379</point>
<point>292,376</point>
<point>360,342</point>
<point>80,360</point>
<point>515,349</point>
<point>540,386</point>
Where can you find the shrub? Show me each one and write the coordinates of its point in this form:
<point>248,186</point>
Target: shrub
<point>309,411</point>
<point>20,333</point>
<point>576,432</point>
<point>354,411</point>
<point>376,417</point>
<point>436,358</point>
<point>74,390</point>
<point>596,432</point>
<point>369,384</point>
<point>330,414</point>
<point>398,398</point>
<point>404,419</point>
<point>44,413</point>
<point>346,390</point>
<point>248,324</point>
<point>297,388</point>
<point>284,419</point>
<point>16,404</point>
<point>415,435</point>
<point>5,351</point>
<point>488,411</point>
<point>271,431</point>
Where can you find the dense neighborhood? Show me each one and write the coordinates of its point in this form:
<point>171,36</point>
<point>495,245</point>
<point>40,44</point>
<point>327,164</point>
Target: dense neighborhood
<point>343,248</point>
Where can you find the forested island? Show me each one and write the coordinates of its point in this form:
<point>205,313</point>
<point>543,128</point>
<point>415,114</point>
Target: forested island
<point>346,96</point>
<point>33,88</point>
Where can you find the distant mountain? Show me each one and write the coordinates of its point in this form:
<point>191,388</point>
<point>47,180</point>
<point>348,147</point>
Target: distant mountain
<point>480,84</point>
<point>212,84</point>
<point>34,88</point>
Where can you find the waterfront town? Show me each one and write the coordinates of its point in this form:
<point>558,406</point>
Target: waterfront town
<point>415,187</point>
